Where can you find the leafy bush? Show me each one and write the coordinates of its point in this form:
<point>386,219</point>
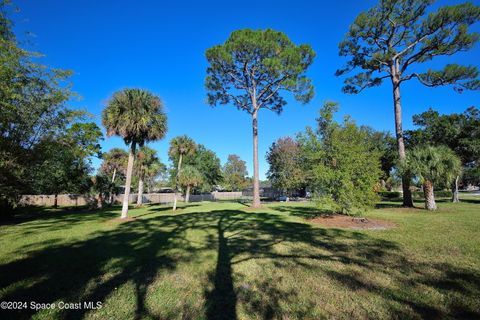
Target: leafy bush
<point>341,165</point>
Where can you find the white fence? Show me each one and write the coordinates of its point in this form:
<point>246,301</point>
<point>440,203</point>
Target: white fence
<point>82,200</point>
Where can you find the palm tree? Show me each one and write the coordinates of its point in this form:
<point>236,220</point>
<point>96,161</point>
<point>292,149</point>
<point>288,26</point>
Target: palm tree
<point>114,162</point>
<point>156,170</point>
<point>179,147</point>
<point>137,116</point>
<point>432,165</point>
<point>189,177</point>
<point>145,166</point>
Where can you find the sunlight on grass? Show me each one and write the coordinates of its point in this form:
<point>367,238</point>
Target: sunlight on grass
<point>219,261</point>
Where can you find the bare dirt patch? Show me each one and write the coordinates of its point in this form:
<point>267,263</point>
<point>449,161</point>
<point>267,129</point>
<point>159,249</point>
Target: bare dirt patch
<point>357,223</point>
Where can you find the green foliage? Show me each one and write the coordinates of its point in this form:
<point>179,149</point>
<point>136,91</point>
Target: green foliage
<point>438,165</point>
<point>114,160</point>
<point>43,143</point>
<point>136,115</point>
<point>286,170</point>
<point>208,164</point>
<point>253,66</point>
<point>198,156</point>
<point>386,146</point>
<point>181,145</point>
<point>66,164</point>
<point>101,187</point>
<point>190,177</point>
<point>437,194</point>
<point>148,166</point>
<point>471,174</point>
<point>342,167</point>
<point>396,34</point>
<point>235,173</point>
<point>458,131</point>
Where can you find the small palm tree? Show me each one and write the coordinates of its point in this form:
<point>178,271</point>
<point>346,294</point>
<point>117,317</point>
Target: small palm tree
<point>189,177</point>
<point>146,161</point>
<point>432,165</point>
<point>179,147</point>
<point>137,116</point>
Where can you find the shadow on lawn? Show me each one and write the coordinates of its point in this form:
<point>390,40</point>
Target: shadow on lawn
<point>470,200</point>
<point>305,212</point>
<point>138,251</point>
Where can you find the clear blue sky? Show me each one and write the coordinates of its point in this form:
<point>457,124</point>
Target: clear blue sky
<point>160,46</point>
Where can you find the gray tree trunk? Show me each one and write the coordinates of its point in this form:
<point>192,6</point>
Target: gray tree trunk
<point>407,194</point>
<point>128,181</point>
<point>140,192</point>
<point>187,194</point>
<point>256,182</point>
<point>429,196</point>
<point>176,183</point>
<point>455,197</point>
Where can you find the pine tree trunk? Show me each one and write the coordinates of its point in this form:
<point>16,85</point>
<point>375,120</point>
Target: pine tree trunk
<point>128,181</point>
<point>429,196</point>
<point>187,194</point>
<point>407,194</point>
<point>256,183</point>
<point>55,201</point>
<point>140,192</point>
<point>176,183</point>
<point>455,197</point>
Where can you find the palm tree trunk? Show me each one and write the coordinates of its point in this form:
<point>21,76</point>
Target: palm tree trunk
<point>128,181</point>
<point>176,183</point>
<point>429,196</point>
<point>407,194</point>
<point>110,200</point>
<point>187,194</point>
<point>455,197</point>
<point>100,200</point>
<point>140,192</point>
<point>256,183</point>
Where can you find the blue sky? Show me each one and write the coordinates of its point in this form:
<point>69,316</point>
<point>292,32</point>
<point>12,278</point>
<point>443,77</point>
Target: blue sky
<point>160,46</point>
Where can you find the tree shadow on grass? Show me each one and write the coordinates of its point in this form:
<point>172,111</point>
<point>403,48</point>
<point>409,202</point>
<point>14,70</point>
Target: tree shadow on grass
<point>42,213</point>
<point>470,200</point>
<point>135,251</point>
<point>242,238</point>
<point>138,251</point>
<point>305,212</point>
<point>246,237</point>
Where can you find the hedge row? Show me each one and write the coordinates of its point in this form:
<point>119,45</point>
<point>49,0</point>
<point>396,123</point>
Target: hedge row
<point>416,194</point>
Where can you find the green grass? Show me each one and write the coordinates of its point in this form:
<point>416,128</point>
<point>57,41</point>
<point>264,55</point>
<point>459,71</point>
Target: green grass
<point>223,261</point>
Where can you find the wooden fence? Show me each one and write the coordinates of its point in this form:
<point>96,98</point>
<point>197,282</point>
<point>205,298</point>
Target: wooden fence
<point>82,200</point>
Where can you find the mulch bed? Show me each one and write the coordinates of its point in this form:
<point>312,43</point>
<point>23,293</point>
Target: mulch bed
<point>358,223</point>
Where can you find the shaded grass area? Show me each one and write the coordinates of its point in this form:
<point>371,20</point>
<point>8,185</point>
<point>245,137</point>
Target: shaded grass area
<point>222,261</point>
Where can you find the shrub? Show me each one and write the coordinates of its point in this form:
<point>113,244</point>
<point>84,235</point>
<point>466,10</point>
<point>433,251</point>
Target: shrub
<point>389,194</point>
<point>437,194</point>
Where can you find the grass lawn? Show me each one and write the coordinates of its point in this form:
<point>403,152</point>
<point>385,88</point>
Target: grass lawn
<point>224,261</point>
